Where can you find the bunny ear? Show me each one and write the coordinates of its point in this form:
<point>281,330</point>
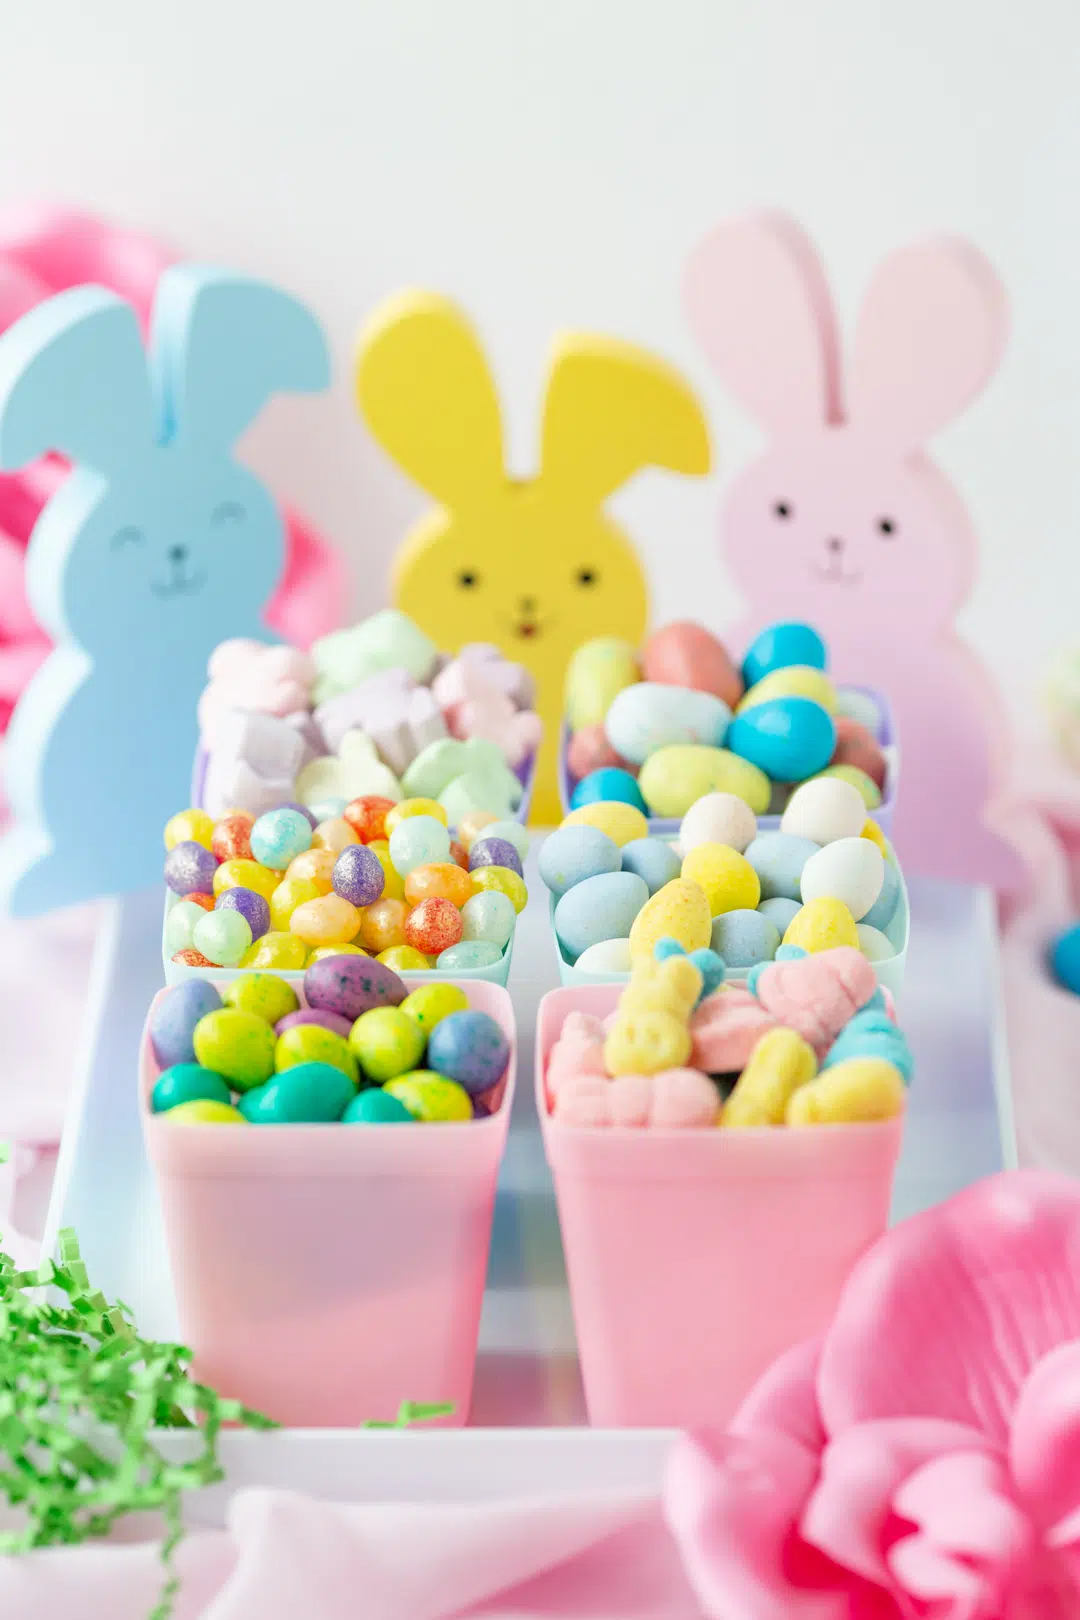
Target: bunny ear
<point>424,389</point>
<point>929,337</point>
<point>756,296</point>
<point>611,409</point>
<point>221,345</point>
<point>73,378</point>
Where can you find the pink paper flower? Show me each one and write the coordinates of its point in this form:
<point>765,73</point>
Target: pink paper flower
<point>922,1462</point>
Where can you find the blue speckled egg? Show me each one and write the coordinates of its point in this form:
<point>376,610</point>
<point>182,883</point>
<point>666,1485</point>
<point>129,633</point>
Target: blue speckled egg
<point>608,783</point>
<point>781,645</point>
<point>780,911</point>
<point>603,907</point>
<point>778,859</point>
<point>572,854</point>
<point>471,1048</point>
<point>883,910</point>
<point>648,716</point>
<point>743,938</point>
<point>173,1020</point>
<point>653,860</point>
<point>789,738</point>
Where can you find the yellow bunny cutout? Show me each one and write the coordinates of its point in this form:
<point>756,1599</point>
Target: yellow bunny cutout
<point>533,565</point>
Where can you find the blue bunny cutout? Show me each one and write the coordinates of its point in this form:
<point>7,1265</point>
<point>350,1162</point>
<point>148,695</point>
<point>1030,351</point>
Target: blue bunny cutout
<point>156,548</point>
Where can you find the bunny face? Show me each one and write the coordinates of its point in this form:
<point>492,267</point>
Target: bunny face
<point>841,529</point>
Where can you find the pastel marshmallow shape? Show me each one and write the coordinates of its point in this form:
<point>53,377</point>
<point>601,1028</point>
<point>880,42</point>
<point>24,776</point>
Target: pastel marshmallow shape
<point>726,1027</point>
<point>817,995</point>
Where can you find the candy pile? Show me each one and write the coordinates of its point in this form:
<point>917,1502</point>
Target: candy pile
<point>360,1049</point>
<point>381,879</point>
<point>682,720</point>
<point>810,1040</point>
<point>825,878</point>
<point>375,710</point>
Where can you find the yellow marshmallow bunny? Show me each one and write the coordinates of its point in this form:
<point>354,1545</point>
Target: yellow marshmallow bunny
<point>651,1030</point>
<point>534,565</point>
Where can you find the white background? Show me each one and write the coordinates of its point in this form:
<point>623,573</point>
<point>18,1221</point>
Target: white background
<point>550,163</point>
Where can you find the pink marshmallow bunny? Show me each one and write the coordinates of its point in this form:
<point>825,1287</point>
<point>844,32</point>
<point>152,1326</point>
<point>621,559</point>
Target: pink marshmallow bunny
<point>845,522</point>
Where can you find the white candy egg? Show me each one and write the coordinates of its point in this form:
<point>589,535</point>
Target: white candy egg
<point>609,956</point>
<point>859,706</point>
<point>875,946</point>
<point>848,869</point>
<point>825,808</point>
<point>718,818</point>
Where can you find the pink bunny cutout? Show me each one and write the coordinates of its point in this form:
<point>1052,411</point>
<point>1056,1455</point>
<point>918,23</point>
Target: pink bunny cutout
<point>845,522</point>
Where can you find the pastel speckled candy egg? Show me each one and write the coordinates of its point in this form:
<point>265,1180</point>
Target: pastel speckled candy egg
<point>727,878</point>
<point>884,908</point>
<point>175,1017</point>
<point>649,716</point>
<point>861,706</point>
<point>779,646</point>
<point>263,994</point>
<point>822,925</point>
<point>350,985</point>
<point>187,1082</point>
<point>432,1003</point>
<point>686,654</point>
<point>204,1111</point>
<point>602,907</point>
<point>680,909</point>
<point>488,918</point>
<point>470,954</point>
<point>597,672</point>
<point>471,1048</point>
<point>823,810</point>
<point>673,779</point>
<point>610,783</point>
<point>571,854</point>
<point>780,911</point>
<point>789,738</point>
<point>718,818</point>
<point>387,1042</point>
<point>311,1043</point>
<point>653,860</point>
<point>864,785</point>
<point>794,680</point>
<point>855,745</point>
<point>744,938</point>
<point>314,1015</point>
<point>305,1094</point>
<point>778,859</point>
<point>848,869</point>
<point>606,956</point>
<point>237,1045</point>
<point>431,1098</point>
<point>875,946</point>
<point>621,822</point>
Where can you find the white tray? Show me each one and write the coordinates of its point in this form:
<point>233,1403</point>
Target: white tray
<point>959,1128</point>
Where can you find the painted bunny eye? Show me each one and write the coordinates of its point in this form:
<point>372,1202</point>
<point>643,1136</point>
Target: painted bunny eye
<point>228,512</point>
<point>782,509</point>
<point>587,576</point>
<point>467,579</point>
<point>129,535</point>
<point>887,527</point>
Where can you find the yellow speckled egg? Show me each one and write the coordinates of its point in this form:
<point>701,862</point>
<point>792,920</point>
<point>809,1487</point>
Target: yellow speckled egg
<point>871,793</point>
<point>329,920</point>
<point>794,680</point>
<point>674,778</point>
<point>622,822</point>
<point>872,831</point>
<point>729,881</point>
<point>821,925</point>
<point>430,1096</point>
<point>680,909</point>
<point>203,1111</point>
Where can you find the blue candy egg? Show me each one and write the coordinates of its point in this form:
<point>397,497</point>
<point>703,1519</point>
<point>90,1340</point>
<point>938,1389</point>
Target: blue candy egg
<point>648,716</point>
<point>652,860</point>
<point>778,859</point>
<point>1065,959</point>
<point>603,907</point>
<point>780,911</point>
<point>608,783</point>
<point>173,1020</point>
<point>469,1047</point>
<point>883,910</point>
<point>469,953</point>
<point>279,836</point>
<point>789,738</point>
<point>743,938</point>
<point>572,854</point>
<point>781,645</point>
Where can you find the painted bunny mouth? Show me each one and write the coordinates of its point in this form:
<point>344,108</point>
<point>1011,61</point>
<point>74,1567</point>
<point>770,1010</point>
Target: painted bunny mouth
<point>179,584</point>
<point>527,629</point>
<point>835,573</point>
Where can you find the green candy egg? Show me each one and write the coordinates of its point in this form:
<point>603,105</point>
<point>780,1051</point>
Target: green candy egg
<point>388,1042</point>
<point>263,994</point>
<point>305,1094</point>
<point>377,1107</point>
<point>431,1097</point>
<point>204,1111</point>
<point>312,1043</point>
<point>187,1082</point>
<point>434,1002</point>
<point>236,1044</point>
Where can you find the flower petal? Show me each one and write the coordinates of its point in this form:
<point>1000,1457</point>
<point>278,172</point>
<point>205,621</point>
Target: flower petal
<point>785,1399</point>
<point>971,1539</point>
<point>1044,1446</point>
<point>850,1510</point>
<point>732,1503</point>
<point>949,1312</point>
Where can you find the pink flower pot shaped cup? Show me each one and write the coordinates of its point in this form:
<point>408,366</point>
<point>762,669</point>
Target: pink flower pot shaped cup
<point>326,1273</point>
<point>846,522</point>
<point>695,1257</point>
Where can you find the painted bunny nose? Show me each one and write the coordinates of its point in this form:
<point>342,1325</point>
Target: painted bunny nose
<point>177,554</point>
<point>528,604</point>
<point>834,544</point>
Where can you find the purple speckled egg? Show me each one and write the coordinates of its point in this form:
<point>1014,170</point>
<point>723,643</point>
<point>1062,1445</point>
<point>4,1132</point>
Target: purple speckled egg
<point>315,1015</point>
<point>358,875</point>
<point>303,810</point>
<point>251,906</point>
<point>351,985</point>
<point>189,868</point>
<point>173,1020</point>
<point>495,852</point>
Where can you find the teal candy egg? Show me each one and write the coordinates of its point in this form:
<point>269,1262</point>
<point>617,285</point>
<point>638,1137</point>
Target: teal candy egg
<point>419,841</point>
<point>778,859</point>
<point>653,860</point>
<point>187,1082</point>
<point>789,738</point>
<point>606,784</point>
<point>278,836</point>
<point>488,917</point>
<point>781,912</point>
<point>470,953</point>
<point>306,1094</point>
<point>744,938</point>
<point>781,645</point>
<point>572,854</point>
<point>376,1107</point>
<point>603,907</point>
<point>883,910</point>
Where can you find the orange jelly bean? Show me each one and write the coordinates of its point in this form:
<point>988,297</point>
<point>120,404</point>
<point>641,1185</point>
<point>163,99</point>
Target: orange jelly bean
<point>231,840</point>
<point>204,900</point>
<point>441,880</point>
<point>315,865</point>
<point>383,925</point>
<point>335,834</point>
<point>367,816</point>
<point>192,958</point>
<point>433,926</point>
<point>459,854</point>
